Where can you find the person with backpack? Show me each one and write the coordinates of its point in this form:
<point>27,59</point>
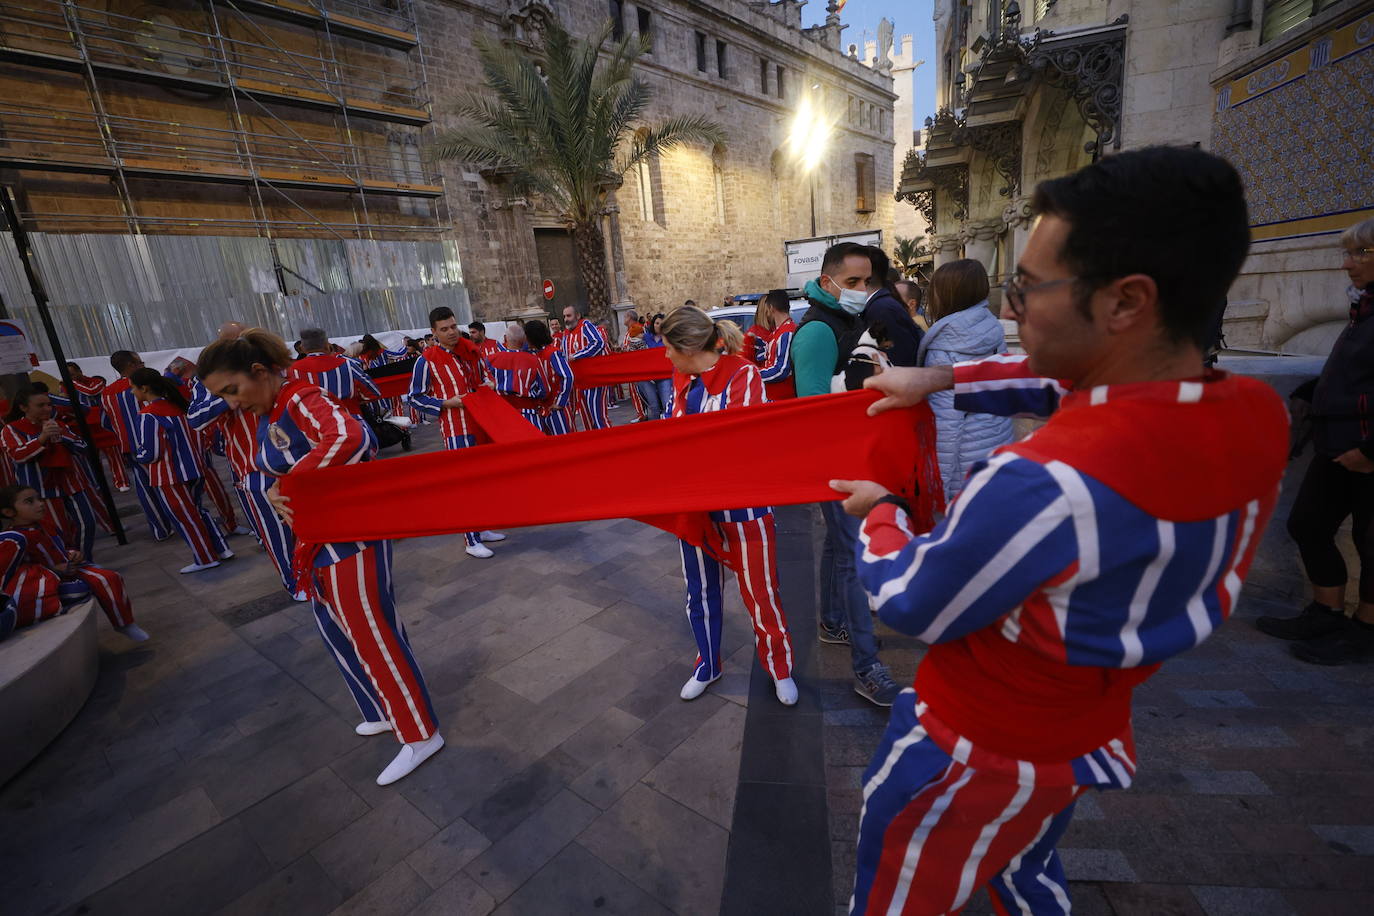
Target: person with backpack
<point>821,349</point>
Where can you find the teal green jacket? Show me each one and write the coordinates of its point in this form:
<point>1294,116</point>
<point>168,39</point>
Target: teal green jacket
<point>814,351</point>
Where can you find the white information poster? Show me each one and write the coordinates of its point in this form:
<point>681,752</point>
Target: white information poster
<point>16,356</point>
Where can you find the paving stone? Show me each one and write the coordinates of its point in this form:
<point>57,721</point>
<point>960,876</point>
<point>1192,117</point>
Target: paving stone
<point>703,771</point>
<point>1358,841</point>
<point>1328,902</point>
<point>301,889</point>
<point>398,891</point>
<point>540,673</point>
<point>575,881</point>
<point>1151,900</point>
<point>523,794</point>
<point>1096,865</point>
<point>300,817</point>
<point>604,782</point>
<point>447,852</point>
<point>1225,782</point>
<point>593,741</point>
<point>1242,901</point>
<point>460,896</point>
<point>373,843</point>
<point>669,851</point>
<point>508,864</point>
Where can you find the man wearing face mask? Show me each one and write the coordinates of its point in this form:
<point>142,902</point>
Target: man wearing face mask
<point>821,348</point>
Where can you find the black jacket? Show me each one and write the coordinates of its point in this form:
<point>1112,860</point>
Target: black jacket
<point>890,324</point>
<point>1342,415</point>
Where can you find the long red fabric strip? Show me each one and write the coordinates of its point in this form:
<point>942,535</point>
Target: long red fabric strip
<point>768,455</point>
<point>593,372</point>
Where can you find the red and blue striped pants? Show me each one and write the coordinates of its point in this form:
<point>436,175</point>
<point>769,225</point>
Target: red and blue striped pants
<point>181,502</point>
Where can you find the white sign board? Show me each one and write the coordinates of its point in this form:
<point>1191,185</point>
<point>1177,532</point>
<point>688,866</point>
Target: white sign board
<point>16,356</point>
<point>804,255</point>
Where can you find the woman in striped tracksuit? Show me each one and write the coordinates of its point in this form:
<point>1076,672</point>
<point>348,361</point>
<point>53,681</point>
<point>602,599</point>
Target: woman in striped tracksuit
<point>45,456</point>
<point>300,429</point>
<point>709,380</point>
<point>43,576</point>
<point>163,443</point>
<point>556,411</point>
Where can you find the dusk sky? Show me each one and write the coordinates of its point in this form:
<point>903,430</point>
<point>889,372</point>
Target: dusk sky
<point>909,17</point>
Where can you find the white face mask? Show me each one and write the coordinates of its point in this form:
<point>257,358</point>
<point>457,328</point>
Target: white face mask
<point>853,300</point>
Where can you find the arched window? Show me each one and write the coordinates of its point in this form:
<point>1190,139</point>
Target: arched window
<point>649,180</point>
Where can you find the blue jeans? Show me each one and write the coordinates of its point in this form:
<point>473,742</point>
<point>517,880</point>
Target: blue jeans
<point>648,393</point>
<point>843,600</point>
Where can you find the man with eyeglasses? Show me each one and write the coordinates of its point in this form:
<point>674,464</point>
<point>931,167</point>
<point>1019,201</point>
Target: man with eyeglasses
<point>1075,561</point>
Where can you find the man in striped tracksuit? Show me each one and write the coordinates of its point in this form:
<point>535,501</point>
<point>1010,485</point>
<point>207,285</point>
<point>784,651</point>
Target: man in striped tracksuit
<point>120,411</point>
<point>443,375</point>
<point>1077,560</point>
<point>583,340</point>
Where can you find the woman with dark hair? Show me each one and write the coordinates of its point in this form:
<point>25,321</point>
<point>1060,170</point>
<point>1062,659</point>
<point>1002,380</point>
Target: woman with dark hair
<point>653,337</point>
<point>46,456</point>
<point>962,329</point>
<point>164,444</point>
<point>711,376</point>
<point>304,429</point>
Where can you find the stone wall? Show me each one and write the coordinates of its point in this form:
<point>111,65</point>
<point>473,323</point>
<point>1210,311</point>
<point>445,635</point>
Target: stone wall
<point>686,250</point>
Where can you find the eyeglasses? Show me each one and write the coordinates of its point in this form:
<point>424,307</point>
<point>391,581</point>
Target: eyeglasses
<point>1015,294</point>
<point>1359,254</point>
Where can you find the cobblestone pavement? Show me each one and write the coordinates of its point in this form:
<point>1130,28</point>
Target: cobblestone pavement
<point>215,767</point>
<point>1255,793</point>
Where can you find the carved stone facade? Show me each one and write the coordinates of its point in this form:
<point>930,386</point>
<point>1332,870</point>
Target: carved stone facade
<point>1031,91</point>
<point>697,223</point>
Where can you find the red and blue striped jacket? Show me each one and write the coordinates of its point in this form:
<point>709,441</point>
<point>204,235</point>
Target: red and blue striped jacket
<point>558,376</point>
<point>583,340</point>
<point>342,377</point>
<point>164,442</point>
<point>1076,561</point>
<point>120,412</point>
<point>209,413</point>
<point>732,382</point>
<point>307,429</point>
<point>776,365</point>
<point>440,374</point>
<point>517,376</point>
<point>49,467</point>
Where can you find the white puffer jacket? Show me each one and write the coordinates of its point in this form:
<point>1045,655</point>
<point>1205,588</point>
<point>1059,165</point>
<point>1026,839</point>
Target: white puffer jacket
<point>963,439</point>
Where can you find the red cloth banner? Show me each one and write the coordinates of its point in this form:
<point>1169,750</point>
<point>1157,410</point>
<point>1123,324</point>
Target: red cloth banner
<point>393,386</point>
<point>768,455</point>
<point>622,368</point>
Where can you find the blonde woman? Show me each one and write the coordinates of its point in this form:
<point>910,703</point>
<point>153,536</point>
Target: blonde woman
<point>712,375</point>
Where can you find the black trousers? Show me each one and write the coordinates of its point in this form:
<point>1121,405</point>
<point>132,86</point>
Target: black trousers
<point>1330,494</point>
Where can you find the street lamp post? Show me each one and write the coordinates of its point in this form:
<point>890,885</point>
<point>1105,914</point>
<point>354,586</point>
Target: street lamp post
<point>808,138</point>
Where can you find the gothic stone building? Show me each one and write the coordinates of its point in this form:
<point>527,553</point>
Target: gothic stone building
<point>180,162</point>
<point>1029,91</point>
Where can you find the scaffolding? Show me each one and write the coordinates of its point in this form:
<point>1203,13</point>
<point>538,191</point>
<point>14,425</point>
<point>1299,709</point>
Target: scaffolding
<point>253,82</point>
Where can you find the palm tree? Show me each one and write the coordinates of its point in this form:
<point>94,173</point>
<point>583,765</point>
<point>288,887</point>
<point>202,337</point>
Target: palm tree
<point>907,253</point>
<point>565,126</point>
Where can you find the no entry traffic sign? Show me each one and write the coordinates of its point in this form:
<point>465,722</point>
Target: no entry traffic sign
<point>548,289</point>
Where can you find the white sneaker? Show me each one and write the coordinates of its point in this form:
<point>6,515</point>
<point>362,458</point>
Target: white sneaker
<point>410,757</point>
<point>367,729</point>
<point>695,688</point>
<point>122,489</point>
<point>227,555</point>
<point>480,552</point>
<point>492,537</point>
<point>786,690</point>
<point>199,567</point>
<point>300,596</point>
<point>400,422</point>
<point>240,529</point>
<point>133,631</point>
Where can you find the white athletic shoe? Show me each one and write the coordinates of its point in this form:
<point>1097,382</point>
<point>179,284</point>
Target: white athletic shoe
<point>132,631</point>
<point>227,555</point>
<point>400,422</point>
<point>410,757</point>
<point>480,551</point>
<point>300,596</point>
<point>695,688</point>
<point>122,489</point>
<point>240,530</point>
<point>491,537</point>
<point>198,567</point>
<point>366,729</point>
<point>787,691</point>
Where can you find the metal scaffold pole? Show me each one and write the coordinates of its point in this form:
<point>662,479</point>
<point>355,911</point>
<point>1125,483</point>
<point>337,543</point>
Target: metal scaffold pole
<point>40,301</point>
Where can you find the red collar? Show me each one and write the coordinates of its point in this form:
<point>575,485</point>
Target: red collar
<point>162,408</point>
<point>319,362</point>
<point>118,386</point>
<point>25,425</point>
<point>717,378</point>
<point>288,391</point>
